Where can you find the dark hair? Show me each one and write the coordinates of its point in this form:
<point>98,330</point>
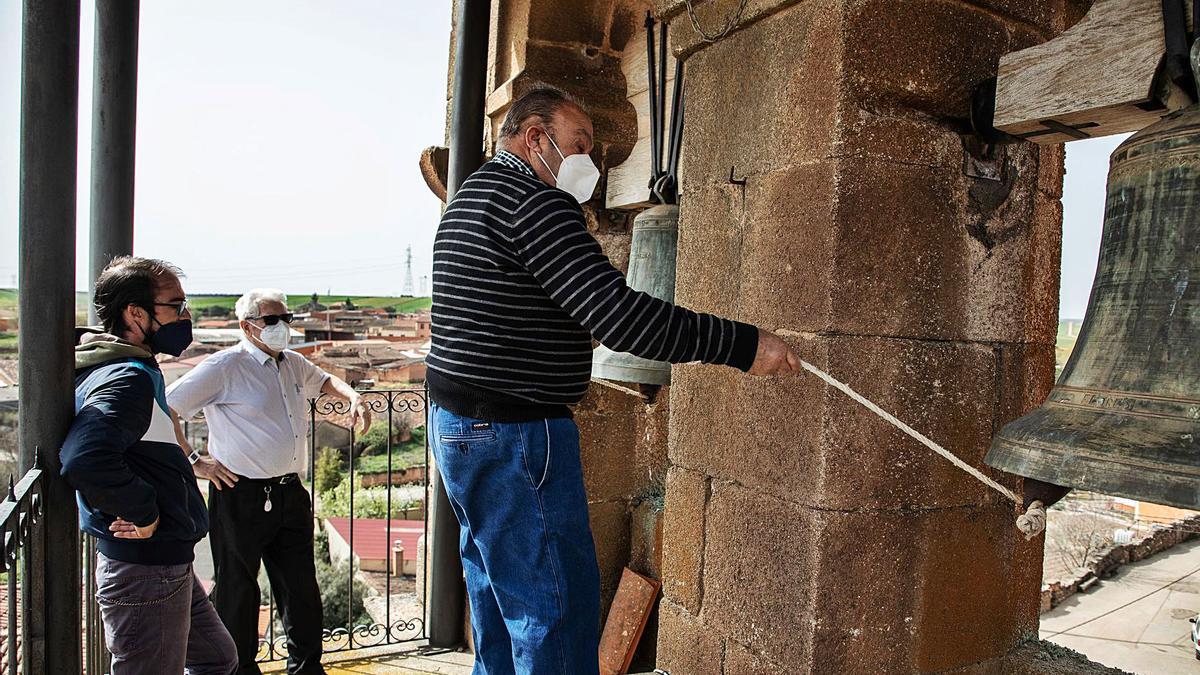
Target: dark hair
<point>540,102</point>
<point>129,280</point>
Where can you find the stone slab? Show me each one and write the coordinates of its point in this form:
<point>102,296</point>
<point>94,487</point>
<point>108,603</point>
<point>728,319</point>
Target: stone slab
<point>683,538</point>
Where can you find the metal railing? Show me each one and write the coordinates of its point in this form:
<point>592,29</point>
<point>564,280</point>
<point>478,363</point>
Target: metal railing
<point>20,521</point>
<point>397,627</point>
<point>21,510</point>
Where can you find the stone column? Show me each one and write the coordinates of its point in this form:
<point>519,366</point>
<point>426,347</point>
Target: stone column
<point>803,533</point>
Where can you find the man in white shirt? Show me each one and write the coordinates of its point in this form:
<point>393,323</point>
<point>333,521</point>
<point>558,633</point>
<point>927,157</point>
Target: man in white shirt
<point>255,400</point>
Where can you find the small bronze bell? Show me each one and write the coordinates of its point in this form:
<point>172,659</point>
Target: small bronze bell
<point>1124,417</point>
<point>651,270</point>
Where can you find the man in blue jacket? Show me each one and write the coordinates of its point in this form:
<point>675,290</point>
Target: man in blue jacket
<point>136,491</point>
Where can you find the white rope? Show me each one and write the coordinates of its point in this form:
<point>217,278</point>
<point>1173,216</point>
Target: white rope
<point>1030,523</point>
<point>614,385</point>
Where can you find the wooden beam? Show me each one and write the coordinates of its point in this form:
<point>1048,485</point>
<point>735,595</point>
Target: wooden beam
<point>1098,78</point>
<point>629,182</point>
<point>434,163</point>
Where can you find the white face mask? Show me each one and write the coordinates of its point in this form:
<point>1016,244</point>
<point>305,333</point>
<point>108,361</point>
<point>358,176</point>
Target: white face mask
<point>577,175</point>
<point>275,337</point>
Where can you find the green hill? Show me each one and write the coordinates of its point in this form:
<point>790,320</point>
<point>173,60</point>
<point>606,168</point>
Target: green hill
<point>8,301</point>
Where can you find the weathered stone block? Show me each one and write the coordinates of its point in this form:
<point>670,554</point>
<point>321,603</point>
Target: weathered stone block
<point>763,432</point>
<point>683,538</point>
<point>760,568</point>
<point>582,21</point>
<point>941,588</point>
<point>610,531</point>
<point>1044,15</point>
<point>930,253</point>
<point>646,536</point>
<point>708,273</point>
<point>787,246</point>
<point>899,136</point>
<point>686,646</point>
<point>653,428</point>
<point>923,54</point>
<point>607,444</point>
<point>944,390</point>
<point>622,443</point>
<point>741,661</point>
<point>1027,376</point>
<point>765,99</point>
<point>1051,169</point>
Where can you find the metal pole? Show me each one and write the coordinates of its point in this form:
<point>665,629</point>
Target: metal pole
<point>49,141</point>
<point>447,594</point>
<point>114,121</point>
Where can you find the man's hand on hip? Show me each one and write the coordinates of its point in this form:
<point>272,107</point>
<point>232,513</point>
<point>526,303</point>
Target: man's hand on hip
<point>215,472</point>
<point>774,357</point>
<point>123,529</point>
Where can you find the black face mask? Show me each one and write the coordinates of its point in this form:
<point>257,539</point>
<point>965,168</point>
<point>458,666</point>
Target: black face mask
<point>170,338</point>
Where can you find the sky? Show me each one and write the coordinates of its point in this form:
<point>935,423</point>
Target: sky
<point>278,144</point>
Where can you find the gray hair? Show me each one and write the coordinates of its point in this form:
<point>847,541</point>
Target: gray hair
<point>541,102</point>
<point>247,306</point>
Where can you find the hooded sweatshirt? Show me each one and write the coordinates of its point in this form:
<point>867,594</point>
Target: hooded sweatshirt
<point>122,457</point>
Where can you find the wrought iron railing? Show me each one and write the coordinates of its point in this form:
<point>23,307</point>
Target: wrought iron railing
<point>397,627</point>
<point>20,520</point>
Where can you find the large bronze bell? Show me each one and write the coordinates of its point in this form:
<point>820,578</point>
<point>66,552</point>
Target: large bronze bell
<point>1124,417</point>
<point>652,270</point>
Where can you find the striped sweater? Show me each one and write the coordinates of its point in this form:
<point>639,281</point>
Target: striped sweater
<point>520,287</point>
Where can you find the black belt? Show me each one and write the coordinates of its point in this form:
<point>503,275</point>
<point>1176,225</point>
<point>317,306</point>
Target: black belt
<point>277,480</point>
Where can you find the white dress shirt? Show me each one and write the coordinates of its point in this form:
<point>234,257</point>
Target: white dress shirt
<point>256,408</point>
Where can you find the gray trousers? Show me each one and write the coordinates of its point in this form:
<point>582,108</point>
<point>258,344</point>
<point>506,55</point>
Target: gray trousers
<point>158,621</point>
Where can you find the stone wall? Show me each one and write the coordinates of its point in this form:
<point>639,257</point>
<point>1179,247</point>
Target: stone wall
<point>1105,563</point>
<point>802,533</point>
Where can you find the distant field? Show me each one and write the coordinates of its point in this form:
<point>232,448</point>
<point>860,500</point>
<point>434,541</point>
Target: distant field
<point>8,300</point>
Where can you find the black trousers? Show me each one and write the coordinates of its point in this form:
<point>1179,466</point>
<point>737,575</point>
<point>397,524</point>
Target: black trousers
<point>242,534</point>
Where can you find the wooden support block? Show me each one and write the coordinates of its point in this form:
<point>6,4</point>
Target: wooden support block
<point>435,163</point>
<point>1096,79</point>
<point>629,182</point>
<point>627,618</point>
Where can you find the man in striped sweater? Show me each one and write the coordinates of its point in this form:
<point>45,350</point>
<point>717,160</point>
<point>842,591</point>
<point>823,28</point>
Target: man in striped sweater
<point>520,287</point>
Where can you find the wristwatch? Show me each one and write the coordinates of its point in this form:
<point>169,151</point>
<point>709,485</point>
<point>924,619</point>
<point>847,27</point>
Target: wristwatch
<point>194,457</point>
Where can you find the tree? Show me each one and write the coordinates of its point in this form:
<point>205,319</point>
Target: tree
<point>1076,538</point>
<point>327,473</point>
<point>349,306</point>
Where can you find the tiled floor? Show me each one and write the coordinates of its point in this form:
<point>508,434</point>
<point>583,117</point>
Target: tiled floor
<point>410,661</point>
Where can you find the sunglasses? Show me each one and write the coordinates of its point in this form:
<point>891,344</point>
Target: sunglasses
<point>180,308</point>
<point>272,319</point>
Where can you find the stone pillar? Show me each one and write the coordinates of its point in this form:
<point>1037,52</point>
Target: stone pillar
<point>802,533</point>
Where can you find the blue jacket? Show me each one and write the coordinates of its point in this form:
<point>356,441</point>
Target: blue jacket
<point>122,458</point>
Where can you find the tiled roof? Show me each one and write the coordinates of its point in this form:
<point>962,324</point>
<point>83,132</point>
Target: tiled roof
<point>372,538</point>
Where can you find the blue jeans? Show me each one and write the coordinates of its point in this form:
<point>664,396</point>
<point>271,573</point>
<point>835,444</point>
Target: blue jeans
<point>526,544</point>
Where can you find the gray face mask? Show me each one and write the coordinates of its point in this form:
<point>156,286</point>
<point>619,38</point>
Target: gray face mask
<point>577,175</point>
